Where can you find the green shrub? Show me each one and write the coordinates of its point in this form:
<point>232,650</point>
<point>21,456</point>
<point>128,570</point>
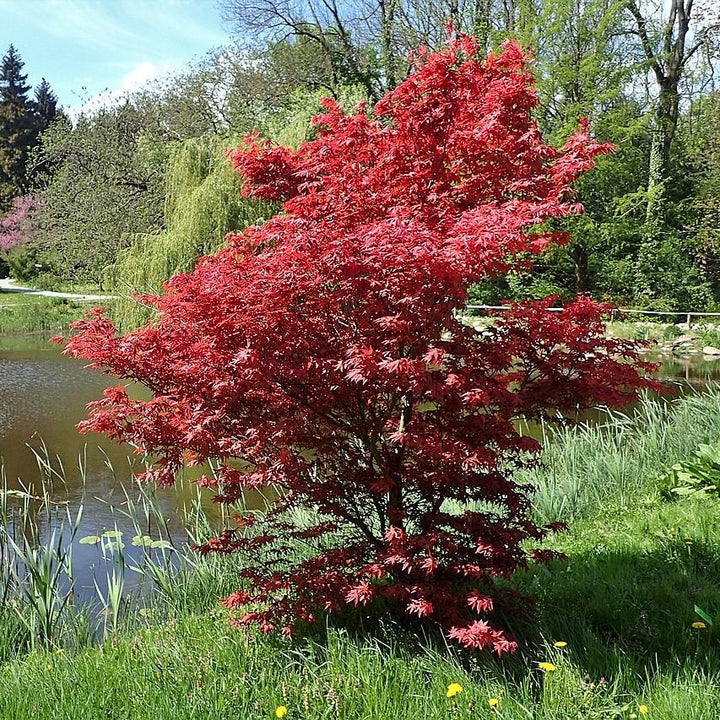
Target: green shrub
<point>700,473</point>
<point>671,331</point>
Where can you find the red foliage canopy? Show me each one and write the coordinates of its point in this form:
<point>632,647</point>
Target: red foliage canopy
<point>323,350</point>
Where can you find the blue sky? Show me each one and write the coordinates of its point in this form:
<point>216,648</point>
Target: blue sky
<point>85,47</point>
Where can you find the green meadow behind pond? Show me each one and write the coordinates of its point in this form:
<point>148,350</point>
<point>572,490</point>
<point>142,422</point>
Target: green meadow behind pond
<point>614,625</point>
<point>24,313</point>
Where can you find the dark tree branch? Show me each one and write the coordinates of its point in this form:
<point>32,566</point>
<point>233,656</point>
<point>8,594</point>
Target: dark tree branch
<point>642,32</point>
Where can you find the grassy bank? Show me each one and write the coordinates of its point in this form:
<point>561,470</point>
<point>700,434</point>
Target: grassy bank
<point>617,463</point>
<point>624,604</point>
<point>25,313</point>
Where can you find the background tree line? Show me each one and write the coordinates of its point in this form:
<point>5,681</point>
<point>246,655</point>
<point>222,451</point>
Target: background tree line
<point>130,193</point>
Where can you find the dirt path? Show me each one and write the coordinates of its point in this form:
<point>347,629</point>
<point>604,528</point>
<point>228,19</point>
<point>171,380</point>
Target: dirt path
<point>10,286</point>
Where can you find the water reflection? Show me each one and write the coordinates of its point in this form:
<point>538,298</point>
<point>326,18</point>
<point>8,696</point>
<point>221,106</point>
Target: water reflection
<point>693,370</point>
<point>43,395</point>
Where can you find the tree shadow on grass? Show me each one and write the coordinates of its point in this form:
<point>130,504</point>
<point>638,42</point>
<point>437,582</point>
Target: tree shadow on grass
<point>631,610</point>
<point>624,603</point>
<point>623,614</point>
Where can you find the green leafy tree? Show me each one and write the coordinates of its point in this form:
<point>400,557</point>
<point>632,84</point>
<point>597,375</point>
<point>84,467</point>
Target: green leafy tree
<point>106,184</point>
<point>669,43</point>
<point>202,204</point>
<point>362,43</point>
<point>592,58</point>
<point>703,206</point>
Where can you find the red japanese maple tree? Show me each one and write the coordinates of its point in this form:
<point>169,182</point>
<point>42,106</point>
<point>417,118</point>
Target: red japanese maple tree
<point>322,354</point>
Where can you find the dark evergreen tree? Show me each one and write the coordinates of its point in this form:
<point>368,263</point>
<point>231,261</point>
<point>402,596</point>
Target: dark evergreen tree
<point>45,104</point>
<point>18,127</point>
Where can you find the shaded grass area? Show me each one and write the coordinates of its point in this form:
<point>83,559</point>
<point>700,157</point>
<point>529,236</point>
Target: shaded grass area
<point>626,597</point>
<point>624,603</point>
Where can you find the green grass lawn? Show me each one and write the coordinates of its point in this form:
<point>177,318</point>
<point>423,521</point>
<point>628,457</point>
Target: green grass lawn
<point>624,604</point>
<point>13,298</point>
<point>24,313</point>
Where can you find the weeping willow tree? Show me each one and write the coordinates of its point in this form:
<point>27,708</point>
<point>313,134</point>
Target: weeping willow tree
<point>202,205</point>
<point>292,125</point>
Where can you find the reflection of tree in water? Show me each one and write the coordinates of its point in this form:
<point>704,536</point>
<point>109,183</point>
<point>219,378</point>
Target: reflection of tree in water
<point>694,370</point>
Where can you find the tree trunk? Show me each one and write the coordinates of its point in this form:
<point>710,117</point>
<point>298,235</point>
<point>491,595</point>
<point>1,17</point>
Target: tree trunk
<point>667,55</point>
<point>663,132</point>
<point>654,212</point>
<point>579,255</point>
<point>388,10</point>
<point>481,23</point>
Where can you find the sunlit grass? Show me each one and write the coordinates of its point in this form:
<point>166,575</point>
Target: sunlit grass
<point>14,298</point>
<point>23,313</point>
<point>28,313</point>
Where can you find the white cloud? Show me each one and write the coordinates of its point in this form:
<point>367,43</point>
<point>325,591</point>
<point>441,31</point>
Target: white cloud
<point>133,80</point>
<point>143,73</point>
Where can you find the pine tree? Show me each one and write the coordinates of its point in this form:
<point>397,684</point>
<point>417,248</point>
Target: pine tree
<point>45,104</point>
<point>18,127</point>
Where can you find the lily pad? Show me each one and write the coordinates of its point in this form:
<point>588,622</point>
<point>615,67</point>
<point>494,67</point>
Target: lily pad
<point>113,545</point>
<point>164,544</point>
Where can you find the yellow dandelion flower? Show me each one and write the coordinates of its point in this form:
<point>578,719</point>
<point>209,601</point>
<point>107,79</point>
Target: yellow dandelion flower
<point>699,625</point>
<point>547,667</point>
<point>280,711</point>
<point>453,690</point>
<point>561,644</point>
<point>493,702</point>
<point>643,710</point>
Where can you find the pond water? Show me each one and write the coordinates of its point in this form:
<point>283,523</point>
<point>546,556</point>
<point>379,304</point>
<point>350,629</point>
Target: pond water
<point>692,371</point>
<point>43,396</point>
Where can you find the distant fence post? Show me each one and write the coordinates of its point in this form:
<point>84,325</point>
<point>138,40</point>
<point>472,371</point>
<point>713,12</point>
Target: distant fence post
<point>689,315</point>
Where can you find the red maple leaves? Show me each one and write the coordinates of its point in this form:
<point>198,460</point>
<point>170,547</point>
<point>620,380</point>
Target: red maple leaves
<point>324,352</point>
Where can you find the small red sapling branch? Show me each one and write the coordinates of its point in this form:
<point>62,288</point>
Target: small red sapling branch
<point>323,350</point>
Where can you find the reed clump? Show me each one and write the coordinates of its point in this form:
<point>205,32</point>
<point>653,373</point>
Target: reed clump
<point>142,569</point>
<point>620,458</point>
